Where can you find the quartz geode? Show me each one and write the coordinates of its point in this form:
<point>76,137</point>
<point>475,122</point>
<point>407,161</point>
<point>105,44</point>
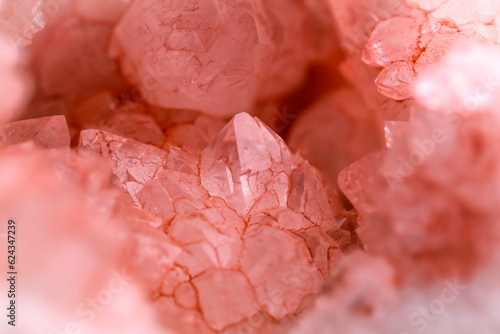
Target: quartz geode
<point>251,166</point>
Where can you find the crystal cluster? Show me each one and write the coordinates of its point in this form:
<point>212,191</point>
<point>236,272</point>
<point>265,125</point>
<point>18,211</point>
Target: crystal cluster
<point>22,19</point>
<point>436,244</point>
<point>215,55</point>
<point>67,236</point>
<point>251,166</point>
<point>393,41</point>
<point>220,237</point>
<point>251,219</point>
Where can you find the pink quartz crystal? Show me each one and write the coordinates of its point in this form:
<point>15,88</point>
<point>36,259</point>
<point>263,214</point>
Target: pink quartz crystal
<point>13,86</point>
<point>133,163</point>
<point>69,56</point>
<point>74,257</point>
<point>85,45</point>
<point>405,37</point>
<point>98,11</point>
<point>252,222</point>
<point>346,126</point>
<point>451,249</point>
<point>136,120</point>
<point>47,132</point>
<point>427,211</point>
<point>141,207</point>
<point>23,18</point>
<point>427,204</point>
<point>217,57</point>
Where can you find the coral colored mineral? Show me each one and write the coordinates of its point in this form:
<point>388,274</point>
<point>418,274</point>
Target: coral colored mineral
<point>250,166</point>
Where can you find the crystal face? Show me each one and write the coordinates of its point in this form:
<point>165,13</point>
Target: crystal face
<point>214,55</point>
<point>252,221</point>
<point>250,166</point>
<point>22,19</point>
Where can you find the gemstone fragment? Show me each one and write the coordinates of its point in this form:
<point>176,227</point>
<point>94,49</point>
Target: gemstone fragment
<point>46,132</point>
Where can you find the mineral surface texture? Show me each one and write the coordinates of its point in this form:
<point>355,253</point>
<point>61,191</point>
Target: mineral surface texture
<point>22,19</point>
<point>218,56</point>
<point>432,192</point>
<point>251,221</point>
<point>250,166</point>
